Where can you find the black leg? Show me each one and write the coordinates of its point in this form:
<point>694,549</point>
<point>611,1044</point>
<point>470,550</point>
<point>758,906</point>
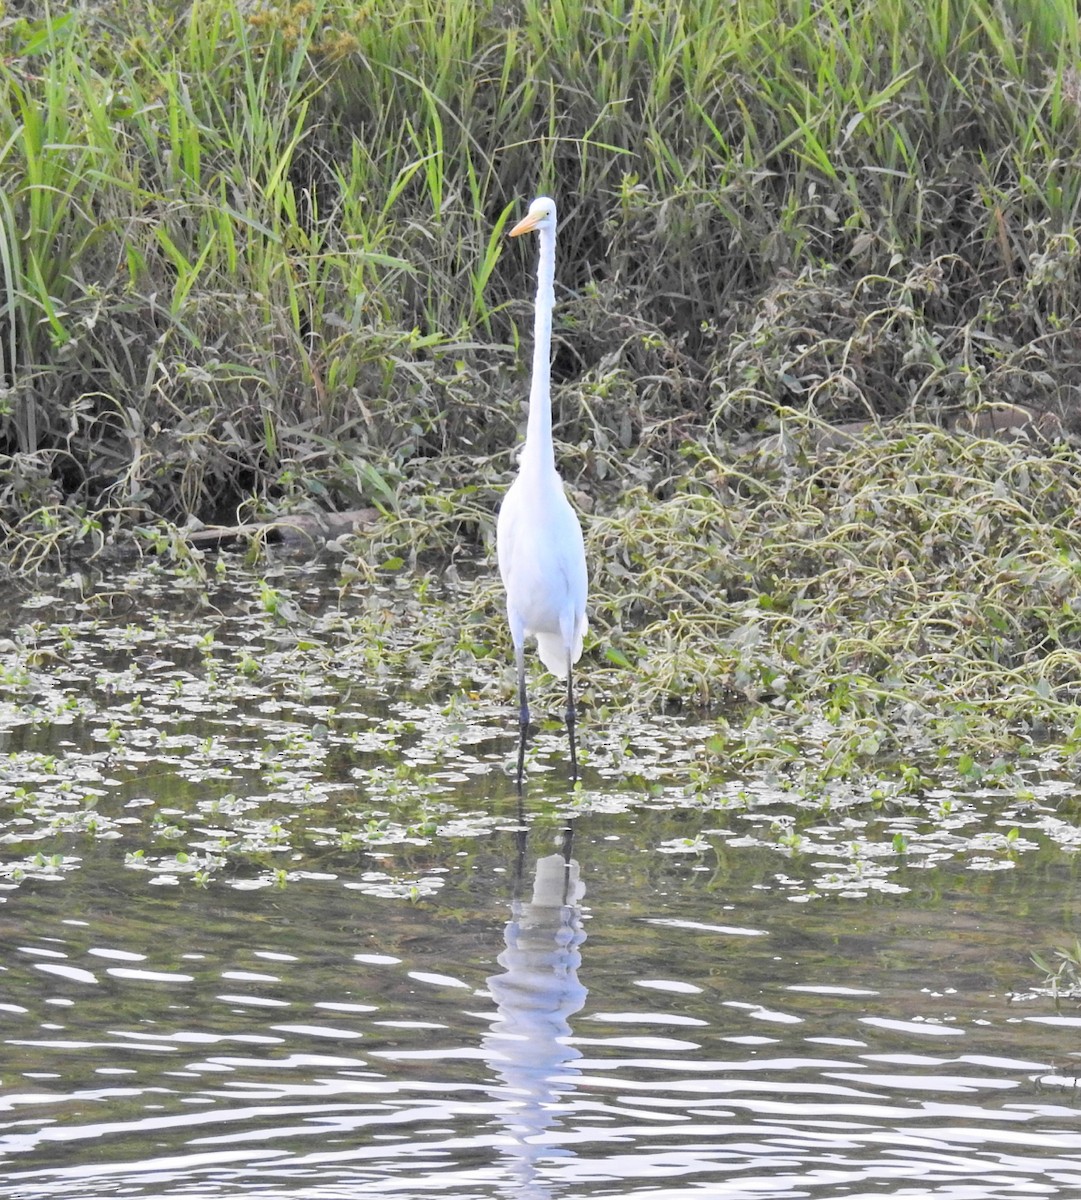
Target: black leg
<point>523,717</point>
<point>568,863</point>
<point>521,835</point>
<point>568,843</point>
<point>570,724</point>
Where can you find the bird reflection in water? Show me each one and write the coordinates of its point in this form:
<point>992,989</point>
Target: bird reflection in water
<point>536,995</point>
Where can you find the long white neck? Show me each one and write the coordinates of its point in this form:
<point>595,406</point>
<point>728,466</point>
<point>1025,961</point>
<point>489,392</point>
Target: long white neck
<point>538,450</point>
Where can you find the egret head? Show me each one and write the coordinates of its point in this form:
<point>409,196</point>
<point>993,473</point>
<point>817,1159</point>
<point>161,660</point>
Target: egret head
<point>541,216</point>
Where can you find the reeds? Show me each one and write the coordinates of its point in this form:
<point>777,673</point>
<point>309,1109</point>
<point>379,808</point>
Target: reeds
<point>241,244</point>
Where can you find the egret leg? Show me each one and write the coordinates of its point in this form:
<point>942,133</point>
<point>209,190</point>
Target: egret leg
<point>568,845</point>
<point>568,862</point>
<point>523,713</point>
<point>521,835</point>
<point>570,723</point>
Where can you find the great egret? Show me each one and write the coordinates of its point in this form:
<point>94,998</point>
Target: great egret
<point>542,559</point>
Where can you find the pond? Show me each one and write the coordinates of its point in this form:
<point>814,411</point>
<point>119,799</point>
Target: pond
<point>276,924</point>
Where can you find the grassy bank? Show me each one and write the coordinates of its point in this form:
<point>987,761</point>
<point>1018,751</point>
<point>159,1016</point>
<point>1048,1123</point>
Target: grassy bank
<point>252,261</point>
<point>253,256</point>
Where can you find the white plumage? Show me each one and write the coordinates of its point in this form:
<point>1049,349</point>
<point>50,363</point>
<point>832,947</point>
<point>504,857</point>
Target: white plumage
<point>539,544</point>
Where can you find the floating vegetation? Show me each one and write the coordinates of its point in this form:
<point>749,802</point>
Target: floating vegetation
<point>1062,970</point>
<point>157,737</point>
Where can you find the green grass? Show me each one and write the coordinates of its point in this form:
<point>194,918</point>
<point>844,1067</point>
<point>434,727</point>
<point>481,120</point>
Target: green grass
<point>240,245</point>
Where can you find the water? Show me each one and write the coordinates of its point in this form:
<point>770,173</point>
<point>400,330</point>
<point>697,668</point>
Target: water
<point>615,1029</point>
<point>297,939</point>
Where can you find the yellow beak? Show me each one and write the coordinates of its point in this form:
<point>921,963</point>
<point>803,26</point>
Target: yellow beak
<point>527,223</point>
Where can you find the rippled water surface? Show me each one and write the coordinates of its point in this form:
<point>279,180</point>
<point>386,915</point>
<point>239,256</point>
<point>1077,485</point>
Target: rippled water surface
<point>284,931</point>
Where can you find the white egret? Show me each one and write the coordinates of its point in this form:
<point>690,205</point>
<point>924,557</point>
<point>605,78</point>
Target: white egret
<point>542,558</point>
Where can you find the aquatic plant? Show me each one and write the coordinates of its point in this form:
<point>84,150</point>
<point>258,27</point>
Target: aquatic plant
<point>338,753</point>
<point>1062,970</point>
